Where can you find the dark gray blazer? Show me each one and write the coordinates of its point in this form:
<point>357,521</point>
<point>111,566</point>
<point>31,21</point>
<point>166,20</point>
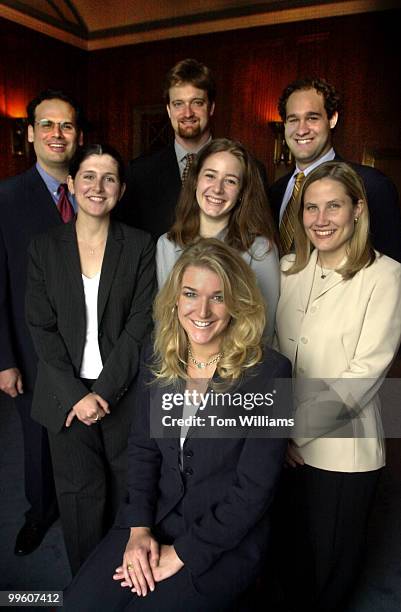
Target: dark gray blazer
<point>55,309</point>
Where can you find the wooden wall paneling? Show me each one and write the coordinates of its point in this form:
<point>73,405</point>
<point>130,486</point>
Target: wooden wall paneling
<point>32,62</point>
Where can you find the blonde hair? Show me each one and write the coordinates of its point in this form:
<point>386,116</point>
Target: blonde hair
<point>359,250</point>
<point>242,342</point>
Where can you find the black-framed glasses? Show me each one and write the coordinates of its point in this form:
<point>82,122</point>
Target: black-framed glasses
<point>46,125</point>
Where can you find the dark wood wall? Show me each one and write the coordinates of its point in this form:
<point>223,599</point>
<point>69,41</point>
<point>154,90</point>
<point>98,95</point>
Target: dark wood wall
<point>30,62</point>
<point>359,54</point>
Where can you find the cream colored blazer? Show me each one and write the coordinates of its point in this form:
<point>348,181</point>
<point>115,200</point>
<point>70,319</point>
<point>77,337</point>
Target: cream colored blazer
<point>350,331</point>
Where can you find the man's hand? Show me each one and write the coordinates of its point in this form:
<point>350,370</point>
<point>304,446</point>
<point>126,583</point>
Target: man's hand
<point>11,382</point>
<point>140,561</point>
<point>88,410</point>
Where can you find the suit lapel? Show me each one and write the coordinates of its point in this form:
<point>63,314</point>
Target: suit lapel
<point>114,244</point>
<point>70,255</point>
<point>306,281</point>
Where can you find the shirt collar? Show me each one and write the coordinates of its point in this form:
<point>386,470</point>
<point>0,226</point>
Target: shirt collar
<point>329,156</point>
<point>51,183</point>
<point>181,153</point>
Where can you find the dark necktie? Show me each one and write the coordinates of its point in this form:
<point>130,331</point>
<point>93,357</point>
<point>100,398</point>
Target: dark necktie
<point>189,159</point>
<point>287,224</point>
<point>63,204</point>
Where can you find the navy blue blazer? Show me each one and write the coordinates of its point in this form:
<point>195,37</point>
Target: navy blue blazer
<point>224,490</point>
<point>383,204</point>
<point>26,209</point>
<point>55,309</point>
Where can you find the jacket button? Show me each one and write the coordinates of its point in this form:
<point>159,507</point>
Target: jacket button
<point>100,334</point>
<point>304,340</point>
<point>313,309</point>
<point>188,453</point>
<point>188,471</point>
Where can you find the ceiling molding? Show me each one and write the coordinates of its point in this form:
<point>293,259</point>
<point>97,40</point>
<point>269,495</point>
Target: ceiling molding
<point>253,15</point>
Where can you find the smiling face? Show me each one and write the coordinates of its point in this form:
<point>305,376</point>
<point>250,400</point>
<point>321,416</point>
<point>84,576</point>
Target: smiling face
<point>307,127</point>
<point>54,148</point>
<point>96,186</point>
<point>201,309</point>
<point>189,110</point>
<point>219,186</point>
<point>329,218</point>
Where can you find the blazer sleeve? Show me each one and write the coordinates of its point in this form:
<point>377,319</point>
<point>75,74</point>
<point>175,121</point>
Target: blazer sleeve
<point>385,214</point>
<point>356,385</point>
<point>226,523</point>
<point>7,357</point>
<point>265,264</point>
<point>122,364</point>
<point>144,459</point>
<point>166,256</point>
<point>42,322</point>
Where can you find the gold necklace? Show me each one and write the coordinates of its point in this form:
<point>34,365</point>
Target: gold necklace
<point>203,364</point>
<point>323,273</point>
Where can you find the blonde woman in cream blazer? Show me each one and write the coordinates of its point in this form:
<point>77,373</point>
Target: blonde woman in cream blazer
<point>338,321</point>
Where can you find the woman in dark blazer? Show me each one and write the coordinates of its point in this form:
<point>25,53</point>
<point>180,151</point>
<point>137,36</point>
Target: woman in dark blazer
<point>89,299</point>
<point>193,530</point>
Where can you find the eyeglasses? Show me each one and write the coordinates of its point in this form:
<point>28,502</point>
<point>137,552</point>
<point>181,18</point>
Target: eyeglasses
<point>46,125</point>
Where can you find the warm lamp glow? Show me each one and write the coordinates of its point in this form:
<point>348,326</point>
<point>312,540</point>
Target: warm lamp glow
<point>16,106</point>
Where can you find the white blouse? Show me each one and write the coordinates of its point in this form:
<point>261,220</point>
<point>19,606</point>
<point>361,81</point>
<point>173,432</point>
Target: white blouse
<point>92,364</point>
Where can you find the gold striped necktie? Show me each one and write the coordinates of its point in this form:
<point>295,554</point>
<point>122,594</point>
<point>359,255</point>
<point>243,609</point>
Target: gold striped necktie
<point>189,159</point>
<point>287,224</point>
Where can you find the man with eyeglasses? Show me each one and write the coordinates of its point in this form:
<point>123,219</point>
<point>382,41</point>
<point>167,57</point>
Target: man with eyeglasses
<point>31,203</point>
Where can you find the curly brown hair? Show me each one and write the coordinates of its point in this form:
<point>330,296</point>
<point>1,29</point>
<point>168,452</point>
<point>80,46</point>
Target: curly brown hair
<point>332,100</point>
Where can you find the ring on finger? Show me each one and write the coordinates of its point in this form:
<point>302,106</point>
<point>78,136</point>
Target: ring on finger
<point>96,418</point>
<point>130,566</point>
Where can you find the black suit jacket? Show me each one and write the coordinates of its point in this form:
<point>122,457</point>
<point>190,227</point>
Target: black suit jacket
<point>383,203</point>
<point>153,187</point>
<point>55,306</point>
<point>26,209</point>
<point>224,489</point>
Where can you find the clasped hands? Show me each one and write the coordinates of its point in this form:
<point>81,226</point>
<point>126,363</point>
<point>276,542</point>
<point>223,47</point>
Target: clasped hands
<point>146,562</point>
<point>88,410</point>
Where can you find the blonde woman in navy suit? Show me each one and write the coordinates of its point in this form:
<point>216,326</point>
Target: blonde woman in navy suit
<point>338,321</point>
<point>195,526</point>
<point>89,300</point>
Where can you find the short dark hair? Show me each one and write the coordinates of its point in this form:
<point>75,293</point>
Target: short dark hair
<point>86,151</point>
<point>332,100</point>
<point>193,72</point>
<point>56,94</point>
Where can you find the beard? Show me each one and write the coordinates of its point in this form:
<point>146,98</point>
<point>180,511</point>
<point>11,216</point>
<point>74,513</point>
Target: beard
<point>189,131</point>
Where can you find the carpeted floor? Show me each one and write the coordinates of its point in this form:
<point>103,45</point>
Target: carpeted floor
<point>379,588</point>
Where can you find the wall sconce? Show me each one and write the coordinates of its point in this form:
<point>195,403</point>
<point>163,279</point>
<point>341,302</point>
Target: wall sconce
<point>282,154</point>
<point>19,143</point>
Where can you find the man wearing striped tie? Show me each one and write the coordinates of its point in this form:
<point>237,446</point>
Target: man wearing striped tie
<point>31,203</point>
<point>310,111</point>
<point>154,181</point>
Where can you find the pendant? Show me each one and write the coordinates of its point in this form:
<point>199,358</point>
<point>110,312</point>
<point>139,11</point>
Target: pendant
<point>323,275</point>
